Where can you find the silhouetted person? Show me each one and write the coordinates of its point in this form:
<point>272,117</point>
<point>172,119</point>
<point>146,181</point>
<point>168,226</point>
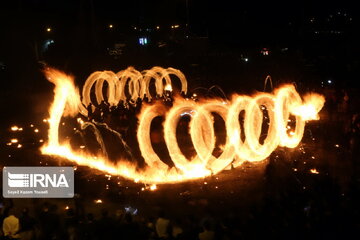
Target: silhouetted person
<point>50,223</point>
<point>130,230</point>
<point>90,111</point>
<point>104,108</point>
<point>105,226</point>
<point>88,231</point>
<point>207,233</point>
<point>355,143</point>
<point>71,224</point>
<point>27,225</point>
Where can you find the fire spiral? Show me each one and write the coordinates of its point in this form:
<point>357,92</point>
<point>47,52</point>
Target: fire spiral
<point>129,82</point>
<point>278,108</point>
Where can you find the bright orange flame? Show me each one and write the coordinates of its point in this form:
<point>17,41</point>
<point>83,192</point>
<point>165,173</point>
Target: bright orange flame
<point>279,106</point>
<point>313,103</point>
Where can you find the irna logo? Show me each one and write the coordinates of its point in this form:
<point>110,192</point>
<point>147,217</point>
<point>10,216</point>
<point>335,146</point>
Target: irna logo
<point>37,180</point>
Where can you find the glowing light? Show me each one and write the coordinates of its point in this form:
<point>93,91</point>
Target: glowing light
<point>48,29</point>
<point>168,87</point>
<point>19,145</point>
<point>67,207</point>
<point>111,26</point>
<point>14,140</point>
<point>279,106</point>
<point>98,201</point>
<point>36,130</point>
<point>14,128</point>
<point>153,187</point>
<point>314,171</point>
<point>137,84</point>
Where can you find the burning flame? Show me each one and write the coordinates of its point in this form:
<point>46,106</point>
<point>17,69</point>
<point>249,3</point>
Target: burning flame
<point>314,171</point>
<point>279,106</point>
<point>137,84</point>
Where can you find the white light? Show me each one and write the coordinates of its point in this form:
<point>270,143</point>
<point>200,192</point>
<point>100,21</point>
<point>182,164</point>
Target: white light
<point>246,59</point>
<point>329,81</point>
<point>14,128</point>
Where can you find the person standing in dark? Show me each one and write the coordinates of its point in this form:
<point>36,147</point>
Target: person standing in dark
<point>50,224</point>
<point>88,229</point>
<point>90,111</point>
<point>104,108</point>
<point>129,229</point>
<point>71,224</point>
<point>105,227</point>
<point>355,143</point>
<point>27,225</point>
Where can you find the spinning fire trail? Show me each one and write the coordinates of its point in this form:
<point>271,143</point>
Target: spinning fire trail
<point>280,106</point>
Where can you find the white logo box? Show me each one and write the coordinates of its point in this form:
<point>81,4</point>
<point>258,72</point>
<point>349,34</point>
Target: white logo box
<point>38,182</point>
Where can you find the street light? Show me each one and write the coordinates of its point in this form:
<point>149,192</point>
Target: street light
<point>111,26</point>
<point>48,29</point>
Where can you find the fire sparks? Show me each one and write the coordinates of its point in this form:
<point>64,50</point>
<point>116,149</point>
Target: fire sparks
<point>314,171</point>
<point>285,102</point>
<point>16,128</point>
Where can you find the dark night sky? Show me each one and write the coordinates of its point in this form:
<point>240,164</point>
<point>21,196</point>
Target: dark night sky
<point>267,13</point>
